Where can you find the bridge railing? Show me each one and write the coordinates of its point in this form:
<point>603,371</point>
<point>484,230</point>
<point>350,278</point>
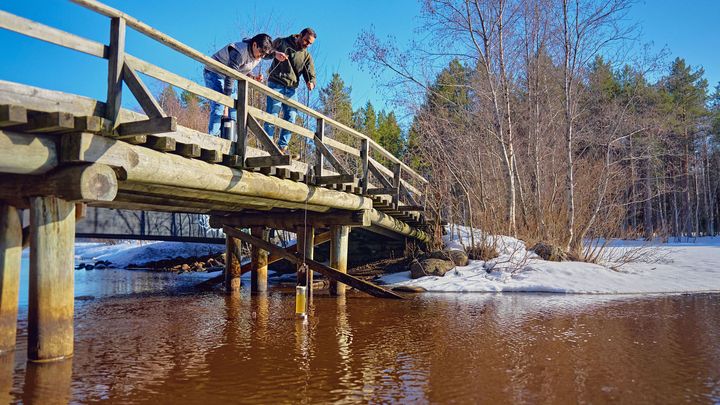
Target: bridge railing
<point>390,176</point>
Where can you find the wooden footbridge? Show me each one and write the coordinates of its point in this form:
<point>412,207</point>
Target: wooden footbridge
<point>60,153</point>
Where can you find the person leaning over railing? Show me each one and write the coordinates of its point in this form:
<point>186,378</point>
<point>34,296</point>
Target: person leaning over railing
<point>242,56</point>
<point>284,77</point>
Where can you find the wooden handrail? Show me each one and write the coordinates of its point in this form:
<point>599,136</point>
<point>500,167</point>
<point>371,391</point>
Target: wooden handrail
<point>71,41</point>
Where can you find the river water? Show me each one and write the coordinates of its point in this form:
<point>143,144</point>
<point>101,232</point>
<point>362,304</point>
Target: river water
<point>145,337</point>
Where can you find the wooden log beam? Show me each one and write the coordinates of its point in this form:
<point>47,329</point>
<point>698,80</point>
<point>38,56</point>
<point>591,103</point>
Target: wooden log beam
<point>10,253</point>
<point>11,115</point>
<point>23,154</point>
<point>339,256</point>
<point>86,182</point>
<point>51,299</point>
<point>386,222</point>
<point>327,271</point>
<point>290,220</point>
<point>144,165</point>
<point>212,200</point>
<point>147,127</point>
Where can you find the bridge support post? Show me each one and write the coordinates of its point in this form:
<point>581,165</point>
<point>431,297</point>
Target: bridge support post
<point>305,248</point>
<point>232,264</point>
<point>10,253</point>
<point>51,301</point>
<point>259,261</point>
<point>338,256</point>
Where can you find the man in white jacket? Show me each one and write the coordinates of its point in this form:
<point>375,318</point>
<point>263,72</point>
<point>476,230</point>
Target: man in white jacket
<point>242,56</point>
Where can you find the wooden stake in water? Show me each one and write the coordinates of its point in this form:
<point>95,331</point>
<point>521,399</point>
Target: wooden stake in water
<point>300,301</point>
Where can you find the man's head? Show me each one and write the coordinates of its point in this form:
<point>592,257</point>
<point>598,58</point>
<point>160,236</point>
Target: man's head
<point>261,45</point>
<point>306,38</point>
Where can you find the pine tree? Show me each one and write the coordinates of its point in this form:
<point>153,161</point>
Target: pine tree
<point>336,102</point>
<point>389,134</point>
<point>366,121</point>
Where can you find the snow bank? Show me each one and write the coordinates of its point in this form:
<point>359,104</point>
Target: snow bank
<point>686,266</point>
<point>122,254</point>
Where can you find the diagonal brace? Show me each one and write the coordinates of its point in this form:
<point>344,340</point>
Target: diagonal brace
<point>263,136</point>
<point>330,157</point>
<point>150,106</point>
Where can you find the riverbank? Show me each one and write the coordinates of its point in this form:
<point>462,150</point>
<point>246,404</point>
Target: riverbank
<point>158,256</point>
<point>676,267</point>
<point>629,267</point>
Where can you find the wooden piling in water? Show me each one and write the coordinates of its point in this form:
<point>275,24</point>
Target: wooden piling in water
<point>338,255</point>
<point>259,262</point>
<point>10,253</point>
<point>232,264</point>
<point>51,301</point>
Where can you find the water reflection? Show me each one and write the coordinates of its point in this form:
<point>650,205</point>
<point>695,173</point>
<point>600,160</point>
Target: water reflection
<point>7,367</point>
<point>47,383</point>
<point>180,346</point>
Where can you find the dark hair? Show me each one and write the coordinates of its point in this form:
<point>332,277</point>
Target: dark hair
<point>263,42</point>
<point>310,31</point>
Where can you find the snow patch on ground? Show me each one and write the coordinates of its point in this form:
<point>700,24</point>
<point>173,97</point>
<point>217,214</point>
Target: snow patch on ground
<point>127,252</point>
<point>675,267</point>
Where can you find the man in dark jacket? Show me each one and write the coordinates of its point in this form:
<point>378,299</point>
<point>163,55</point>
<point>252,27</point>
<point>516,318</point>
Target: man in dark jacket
<point>284,77</point>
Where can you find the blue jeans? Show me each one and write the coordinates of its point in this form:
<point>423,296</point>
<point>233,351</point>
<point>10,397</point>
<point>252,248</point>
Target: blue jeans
<point>216,81</point>
<point>289,113</point>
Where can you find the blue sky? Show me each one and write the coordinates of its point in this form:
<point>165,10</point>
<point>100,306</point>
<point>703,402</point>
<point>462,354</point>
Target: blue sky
<point>687,29</point>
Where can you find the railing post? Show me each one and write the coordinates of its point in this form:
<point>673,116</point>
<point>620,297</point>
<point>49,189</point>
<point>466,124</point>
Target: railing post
<point>116,60</point>
<point>241,106</point>
<point>319,158</point>
<point>397,170</point>
<point>364,156</point>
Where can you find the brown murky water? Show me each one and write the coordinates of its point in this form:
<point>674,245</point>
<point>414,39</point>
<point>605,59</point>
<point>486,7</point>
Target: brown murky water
<point>170,345</point>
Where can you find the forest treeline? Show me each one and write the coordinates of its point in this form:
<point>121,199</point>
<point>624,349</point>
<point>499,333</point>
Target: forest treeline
<point>531,126</point>
<point>532,129</point>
